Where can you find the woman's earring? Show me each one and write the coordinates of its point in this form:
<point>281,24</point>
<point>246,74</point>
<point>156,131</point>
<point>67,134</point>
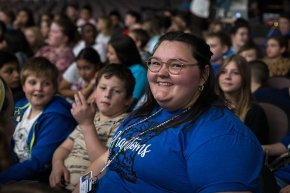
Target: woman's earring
<point>200,88</point>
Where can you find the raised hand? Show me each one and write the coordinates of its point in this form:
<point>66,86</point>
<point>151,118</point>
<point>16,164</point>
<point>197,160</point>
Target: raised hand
<point>82,111</point>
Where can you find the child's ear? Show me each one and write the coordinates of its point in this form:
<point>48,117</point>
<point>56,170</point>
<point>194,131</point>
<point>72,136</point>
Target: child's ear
<point>283,49</point>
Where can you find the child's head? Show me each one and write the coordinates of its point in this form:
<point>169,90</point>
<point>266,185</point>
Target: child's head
<point>72,11</point>
<point>122,49</point>
<point>88,63</point>
<point>86,12</point>
<point>115,17</point>
<point>104,25</point>
<point>284,25</point>
<point>234,84</point>
<point>39,81</point>
<point>44,28</point>
<point>131,18</point>
<point>24,18</point>
<point>115,85</point>
<point>62,32</point>
<point>9,69</point>
<point>40,67</point>
<point>259,72</point>
<point>240,33</point>
<point>219,44</point>
<point>249,51</point>
<point>34,37</point>
<point>140,36</point>
<point>277,47</point>
<point>234,75</point>
<point>215,26</point>
<point>89,33</point>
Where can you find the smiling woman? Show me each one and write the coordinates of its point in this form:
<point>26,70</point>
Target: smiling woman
<point>177,86</point>
<point>181,140</point>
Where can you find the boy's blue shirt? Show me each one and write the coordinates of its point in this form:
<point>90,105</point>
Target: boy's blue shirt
<point>49,130</point>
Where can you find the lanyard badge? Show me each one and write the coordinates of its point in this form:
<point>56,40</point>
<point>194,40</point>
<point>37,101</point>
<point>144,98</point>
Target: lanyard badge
<point>86,182</point>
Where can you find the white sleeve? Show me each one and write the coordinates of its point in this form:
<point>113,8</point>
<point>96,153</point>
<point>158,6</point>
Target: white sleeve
<point>71,74</point>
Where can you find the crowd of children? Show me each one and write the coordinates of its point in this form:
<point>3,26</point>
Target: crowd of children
<point>72,78</point>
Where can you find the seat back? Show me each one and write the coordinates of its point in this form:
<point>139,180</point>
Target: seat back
<point>278,82</point>
<point>277,121</point>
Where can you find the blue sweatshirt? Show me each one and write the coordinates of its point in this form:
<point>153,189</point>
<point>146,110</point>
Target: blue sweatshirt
<point>48,131</point>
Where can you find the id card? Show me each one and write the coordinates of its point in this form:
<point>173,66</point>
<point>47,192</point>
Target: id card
<point>86,182</point>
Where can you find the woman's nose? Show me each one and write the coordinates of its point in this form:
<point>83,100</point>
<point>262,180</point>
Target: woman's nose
<point>164,69</point>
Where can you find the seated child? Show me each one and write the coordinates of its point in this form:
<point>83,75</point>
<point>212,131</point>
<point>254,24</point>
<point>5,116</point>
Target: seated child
<point>44,122</point>
<point>10,72</point>
<point>80,76</point>
<point>141,38</point>
<point>91,138</point>
<point>6,124</point>
<point>250,52</point>
<point>277,57</point>
<point>219,44</point>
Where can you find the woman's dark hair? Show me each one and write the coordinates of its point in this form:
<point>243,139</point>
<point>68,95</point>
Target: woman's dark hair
<point>90,55</point>
<point>126,50</point>
<point>201,52</point>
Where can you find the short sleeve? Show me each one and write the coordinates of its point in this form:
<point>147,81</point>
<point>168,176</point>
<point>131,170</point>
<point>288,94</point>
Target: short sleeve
<point>75,133</point>
<point>71,74</point>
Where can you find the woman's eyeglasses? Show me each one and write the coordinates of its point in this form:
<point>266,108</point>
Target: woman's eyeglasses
<point>174,66</point>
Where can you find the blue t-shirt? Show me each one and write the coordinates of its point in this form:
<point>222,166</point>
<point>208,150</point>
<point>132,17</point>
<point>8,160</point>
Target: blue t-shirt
<point>218,153</point>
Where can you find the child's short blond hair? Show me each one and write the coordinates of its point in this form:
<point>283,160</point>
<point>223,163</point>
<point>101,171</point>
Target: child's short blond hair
<point>40,66</point>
